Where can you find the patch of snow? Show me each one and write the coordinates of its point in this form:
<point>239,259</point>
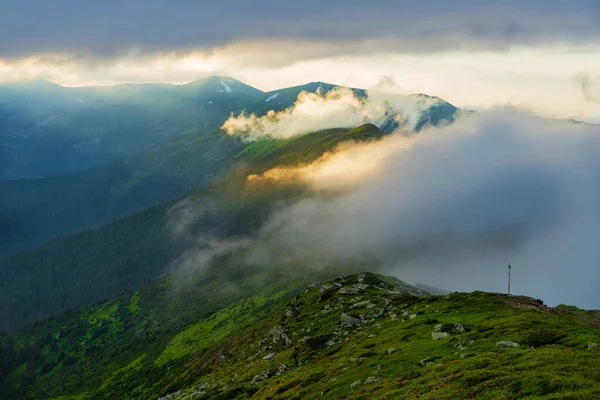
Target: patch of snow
<point>272,97</point>
<point>227,88</point>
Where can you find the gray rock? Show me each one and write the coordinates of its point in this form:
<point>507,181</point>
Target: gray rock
<point>324,288</point>
<point>282,369</point>
<point>405,314</point>
<point>453,328</point>
<point>330,343</point>
<point>349,321</point>
<point>361,304</point>
<point>391,350</point>
<point>356,383</point>
<point>371,379</point>
<point>260,377</point>
<point>269,356</point>
<point>289,312</point>
<point>372,335</point>
<point>507,344</point>
<point>439,335</point>
<point>413,316</point>
<point>467,355</point>
<point>592,345</point>
<point>338,284</point>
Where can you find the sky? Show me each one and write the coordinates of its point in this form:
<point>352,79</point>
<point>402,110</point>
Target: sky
<point>539,56</point>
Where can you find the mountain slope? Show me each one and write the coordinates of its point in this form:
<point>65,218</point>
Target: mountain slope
<point>132,251</point>
<point>357,336</point>
<point>47,129</point>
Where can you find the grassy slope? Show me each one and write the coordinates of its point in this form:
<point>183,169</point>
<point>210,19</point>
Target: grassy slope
<point>553,361</point>
<point>211,343</point>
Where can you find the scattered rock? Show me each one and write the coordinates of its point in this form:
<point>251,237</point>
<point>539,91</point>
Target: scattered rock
<point>467,355</point>
<point>279,335</point>
<point>371,379</point>
<point>391,350</point>
<point>439,335</point>
<point>330,343</point>
<point>282,368</point>
<point>324,288</point>
<point>261,376</point>
<point>338,284</point>
<point>592,345</point>
<point>354,384</point>
<point>349,321</point>
<point>289,312</point>
<point>507,344</point>
<point>412,316</point>
<point>269,356</point>
<point>424,361</point>
<point>372,335</point>
<point>453,328</point>
<point>405,314</point>
<point>361,304</point>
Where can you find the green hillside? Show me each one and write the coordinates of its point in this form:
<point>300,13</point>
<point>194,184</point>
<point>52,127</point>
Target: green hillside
<point>127,253</point>
<point>356,336</point>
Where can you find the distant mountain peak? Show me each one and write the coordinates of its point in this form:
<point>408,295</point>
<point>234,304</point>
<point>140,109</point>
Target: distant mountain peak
<point>221,84</point>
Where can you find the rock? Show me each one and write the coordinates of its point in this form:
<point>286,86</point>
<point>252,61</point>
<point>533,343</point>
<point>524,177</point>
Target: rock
<point>289,312</point>
<point>453,328</point>
<point>467,355</point>
<point>412,316</point>
<point>372,335</point>
<point>354,289</point>
<point>269,356</point>
<point>330,343</point>
<point>279,335</point>
<point>507,344</point>
<point>362,318</point>
<point>304,339</point>
<point>356,383</point>
<point>424,361</point>
<point>324,288</point>
<point>391,350</point>
<point>261,376</point>
<point>349,321</point>
<point>439,335</point>
<point>338,284</point>
<point>361,304</point>
<point>371,379</point>
<point>405,314</point>
<point>592,345</point>
<point>282,368</point>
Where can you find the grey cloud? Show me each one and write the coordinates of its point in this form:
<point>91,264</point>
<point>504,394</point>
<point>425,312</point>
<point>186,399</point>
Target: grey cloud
<point>111,27</point>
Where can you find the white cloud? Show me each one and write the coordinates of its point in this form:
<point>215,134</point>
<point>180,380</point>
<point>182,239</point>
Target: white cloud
<point>340,107</point>
<point>452,206</point>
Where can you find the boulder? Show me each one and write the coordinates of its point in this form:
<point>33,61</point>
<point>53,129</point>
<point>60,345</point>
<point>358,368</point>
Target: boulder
<point>261,376</point>
<point>269,356</point>
<point>507,344</point>
<point>356,383</point>
<point>439,335</point>
<point>391,350</point>
<point>349,321</point>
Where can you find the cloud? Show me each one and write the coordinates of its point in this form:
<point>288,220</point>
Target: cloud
<point>590,88</point>
<point>113,27</point>
<point>456,205</point>
<point>340,107</point>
